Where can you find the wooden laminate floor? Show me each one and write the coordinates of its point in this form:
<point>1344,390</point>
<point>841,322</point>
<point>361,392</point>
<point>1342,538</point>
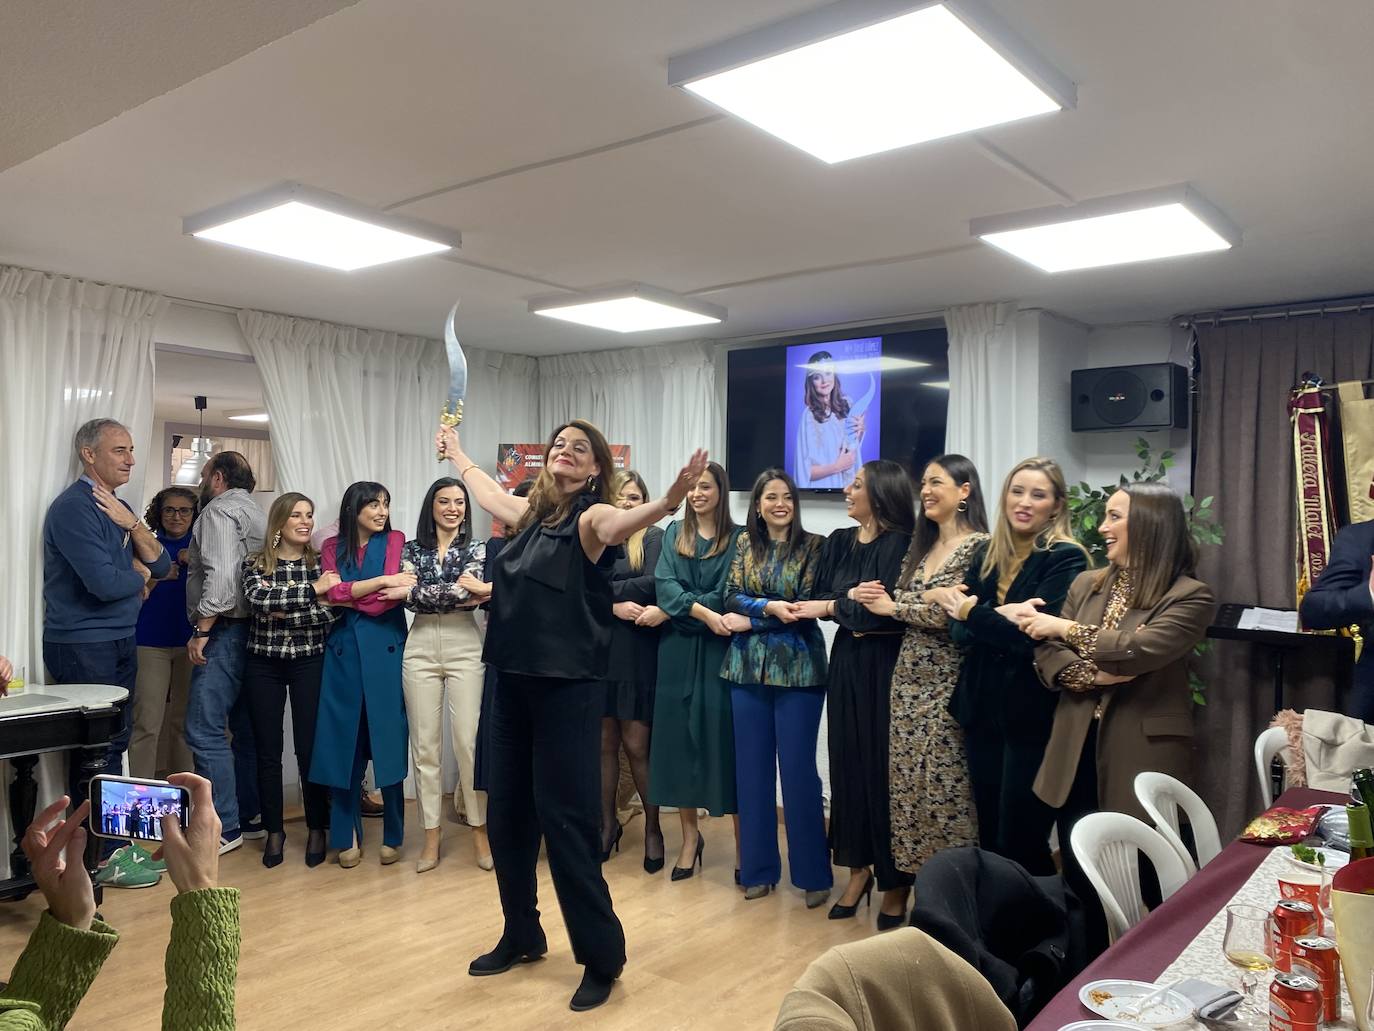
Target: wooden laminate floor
<point>382,947</point>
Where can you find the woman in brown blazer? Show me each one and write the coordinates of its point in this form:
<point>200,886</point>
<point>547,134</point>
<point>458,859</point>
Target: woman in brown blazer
<point>1117,654</point>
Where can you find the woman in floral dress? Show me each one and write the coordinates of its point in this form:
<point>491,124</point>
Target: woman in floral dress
<point>931,801</point>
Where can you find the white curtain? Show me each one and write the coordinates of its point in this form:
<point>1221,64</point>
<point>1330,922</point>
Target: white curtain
<point>660,400</point>
<point>992,395</point>
<point>502,407</point>
<point>349,404</point>
<point>69,351</point>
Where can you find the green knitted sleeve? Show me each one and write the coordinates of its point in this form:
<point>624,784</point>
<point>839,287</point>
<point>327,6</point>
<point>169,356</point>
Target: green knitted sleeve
<point>202,961</point>
<point>53,974</point>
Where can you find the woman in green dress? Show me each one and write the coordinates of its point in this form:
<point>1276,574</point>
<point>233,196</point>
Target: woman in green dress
<point>692,754</point>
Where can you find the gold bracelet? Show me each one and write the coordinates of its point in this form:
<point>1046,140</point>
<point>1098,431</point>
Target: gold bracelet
<point>467,470</point>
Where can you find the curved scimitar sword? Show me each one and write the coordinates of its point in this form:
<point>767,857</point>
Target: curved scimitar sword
<point>452,414</point>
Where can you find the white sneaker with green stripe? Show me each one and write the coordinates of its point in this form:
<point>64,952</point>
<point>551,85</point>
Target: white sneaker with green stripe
<point>128,869</point>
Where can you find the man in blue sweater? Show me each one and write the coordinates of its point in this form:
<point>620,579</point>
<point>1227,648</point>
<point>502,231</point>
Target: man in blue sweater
<point>97,560</point>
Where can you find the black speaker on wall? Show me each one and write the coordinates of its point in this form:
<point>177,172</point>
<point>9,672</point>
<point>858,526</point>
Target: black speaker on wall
<point>1130,397</point>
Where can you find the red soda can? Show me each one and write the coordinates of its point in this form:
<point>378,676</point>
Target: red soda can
<point>1293,918</point>
<point>1317,958</point>
<point>1295,1003</point>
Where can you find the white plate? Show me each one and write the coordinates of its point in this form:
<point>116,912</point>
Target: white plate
<point>1099,1025</point>
<point>1335,859</point>
<point>1169,1009</point>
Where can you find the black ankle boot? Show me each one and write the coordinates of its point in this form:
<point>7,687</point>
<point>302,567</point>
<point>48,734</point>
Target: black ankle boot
<point>503,957</point>
<point>593,991</point>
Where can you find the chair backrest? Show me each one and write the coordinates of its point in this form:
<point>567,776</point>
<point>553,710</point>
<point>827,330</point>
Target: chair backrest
<point>1107,846</point>
<point>1272,742</point>
<point>1162,796</point>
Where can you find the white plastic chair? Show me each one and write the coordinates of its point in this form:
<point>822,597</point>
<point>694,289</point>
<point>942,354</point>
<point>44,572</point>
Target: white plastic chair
<point>1107,846</point>
<point>1272,742</point>
<point>1162,796</point>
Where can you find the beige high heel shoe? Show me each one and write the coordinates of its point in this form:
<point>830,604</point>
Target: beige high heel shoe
<point>390,855</point>
<point>425,864</point>
<point>483,848</point>
<point>350,857</point>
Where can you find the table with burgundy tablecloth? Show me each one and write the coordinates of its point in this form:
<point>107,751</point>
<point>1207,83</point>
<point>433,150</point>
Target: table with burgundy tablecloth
<point>1146,950</point>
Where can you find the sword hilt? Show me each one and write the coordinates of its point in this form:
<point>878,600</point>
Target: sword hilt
<point>452,415</point>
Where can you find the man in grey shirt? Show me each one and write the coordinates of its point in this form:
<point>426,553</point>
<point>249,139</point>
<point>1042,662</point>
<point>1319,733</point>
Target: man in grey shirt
<point>229,529</point>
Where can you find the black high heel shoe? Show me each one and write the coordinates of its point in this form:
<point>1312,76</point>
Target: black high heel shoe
<point>681,873</point>
<point>653,864</point>
<point>615,843</point>
<point>271,858</point>
<point>842,912</point>
<point>886,922</point>
<point>313,856</point>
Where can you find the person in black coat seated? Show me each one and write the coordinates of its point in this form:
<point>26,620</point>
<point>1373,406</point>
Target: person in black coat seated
<point>1006,713</point>
<point>1344,595</point>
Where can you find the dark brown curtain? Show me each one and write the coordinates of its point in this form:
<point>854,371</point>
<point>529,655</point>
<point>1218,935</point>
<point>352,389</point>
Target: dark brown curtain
<point>1245,461</point>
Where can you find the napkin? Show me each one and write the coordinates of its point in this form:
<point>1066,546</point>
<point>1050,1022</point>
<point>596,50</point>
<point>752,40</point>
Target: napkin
<point>1352,901</point>
<point>1212,1002</point>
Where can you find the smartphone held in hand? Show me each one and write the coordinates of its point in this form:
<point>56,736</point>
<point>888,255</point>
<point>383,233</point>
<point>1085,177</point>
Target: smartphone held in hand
<point>129,808</point>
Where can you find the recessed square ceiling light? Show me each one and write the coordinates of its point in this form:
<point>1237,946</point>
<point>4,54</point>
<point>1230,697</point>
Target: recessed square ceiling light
<point>1131,227</point>
<point>294,221</point>
<point>863,76</point>
<point>629,309</point>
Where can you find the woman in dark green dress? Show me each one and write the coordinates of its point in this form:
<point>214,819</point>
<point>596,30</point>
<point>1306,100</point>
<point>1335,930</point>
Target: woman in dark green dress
<point>692,754</point>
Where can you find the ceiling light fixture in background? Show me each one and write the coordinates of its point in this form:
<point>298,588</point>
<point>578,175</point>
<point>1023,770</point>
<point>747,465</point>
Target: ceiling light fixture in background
<point>1141,226</point>
<point>635,308</point>
<point>247,415</point>
<point>188,475</point>
<point>300,222</point>
<point>862,76</point>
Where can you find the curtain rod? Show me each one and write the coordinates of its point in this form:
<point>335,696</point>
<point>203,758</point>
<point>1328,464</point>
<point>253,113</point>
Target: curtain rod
<point>1334,306</point>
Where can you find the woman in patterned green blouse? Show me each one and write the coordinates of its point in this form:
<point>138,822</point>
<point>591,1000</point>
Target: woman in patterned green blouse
<point>777,669</point>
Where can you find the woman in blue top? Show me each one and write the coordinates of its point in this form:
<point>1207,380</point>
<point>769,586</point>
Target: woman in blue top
<point>777,669</point>
<point>164,668</point>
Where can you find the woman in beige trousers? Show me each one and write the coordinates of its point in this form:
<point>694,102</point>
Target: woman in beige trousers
<point>158,740</point>
<point>443,660</point>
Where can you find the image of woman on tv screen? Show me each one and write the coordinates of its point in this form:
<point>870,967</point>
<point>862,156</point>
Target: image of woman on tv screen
<point>828,440</point>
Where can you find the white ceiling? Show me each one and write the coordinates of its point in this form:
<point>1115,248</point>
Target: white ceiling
<point>1261,104</point>
<point>227,385</point>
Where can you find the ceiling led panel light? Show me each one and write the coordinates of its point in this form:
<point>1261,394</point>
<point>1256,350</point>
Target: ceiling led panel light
<point>309,225</point>
<point>631,309</point>
<point>864,76</point>
<point>1111,231</point>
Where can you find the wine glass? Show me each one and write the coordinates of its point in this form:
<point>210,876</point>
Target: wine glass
<point>1246,945</point>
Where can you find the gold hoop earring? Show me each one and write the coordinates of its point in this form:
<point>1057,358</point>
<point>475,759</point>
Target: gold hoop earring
<point>962,506</point>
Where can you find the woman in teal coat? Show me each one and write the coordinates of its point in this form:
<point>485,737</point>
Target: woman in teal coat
<point>692,752</point>
<point>362,708</point>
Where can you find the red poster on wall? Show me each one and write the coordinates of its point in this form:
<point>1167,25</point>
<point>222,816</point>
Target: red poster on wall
<point>516,463</point>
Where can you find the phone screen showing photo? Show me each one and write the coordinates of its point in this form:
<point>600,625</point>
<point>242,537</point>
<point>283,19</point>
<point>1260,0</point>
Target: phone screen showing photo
<point>134,809</point>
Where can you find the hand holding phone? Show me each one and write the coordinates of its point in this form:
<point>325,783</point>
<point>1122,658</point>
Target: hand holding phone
<point>193,857</point>
<point>132,809</point>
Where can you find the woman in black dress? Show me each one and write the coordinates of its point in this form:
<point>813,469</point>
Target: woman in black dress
<point>631,675</point>
<point>882,502</point>
<point>549,638</point>
<point>1024,570</point>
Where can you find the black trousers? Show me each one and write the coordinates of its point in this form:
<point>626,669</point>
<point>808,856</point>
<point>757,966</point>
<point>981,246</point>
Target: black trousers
<point>267,683</point>
<point>545,779</point>
<point>1011,821</point>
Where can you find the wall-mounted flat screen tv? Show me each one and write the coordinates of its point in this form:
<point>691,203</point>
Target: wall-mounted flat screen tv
<point>821,407</point>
